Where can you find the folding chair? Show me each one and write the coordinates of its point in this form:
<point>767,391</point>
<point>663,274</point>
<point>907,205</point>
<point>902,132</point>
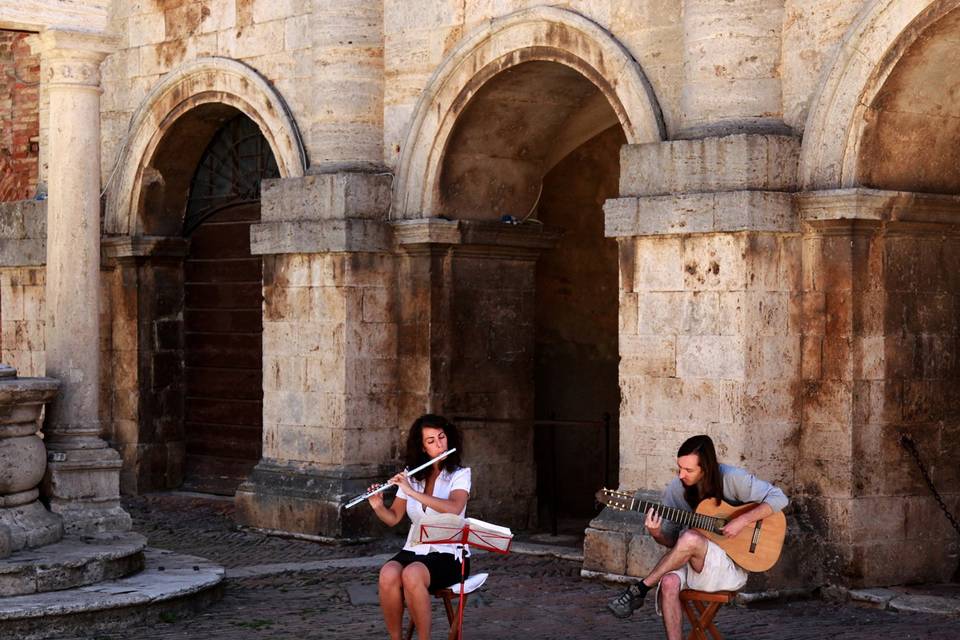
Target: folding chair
<point>700,607</point>
<point>447,595</point>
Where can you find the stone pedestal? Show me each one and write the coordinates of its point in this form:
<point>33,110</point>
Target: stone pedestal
<point>24,522</point>
<point>82,479</point>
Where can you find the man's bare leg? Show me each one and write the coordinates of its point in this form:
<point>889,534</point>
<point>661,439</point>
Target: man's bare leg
<point>691,548</point>
<point>670,606</point>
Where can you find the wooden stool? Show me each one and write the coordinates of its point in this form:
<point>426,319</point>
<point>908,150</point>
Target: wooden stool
<point>700,607</point>
<point>447,595</point>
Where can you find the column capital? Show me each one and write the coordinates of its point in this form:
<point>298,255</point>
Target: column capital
<point>74,57</point>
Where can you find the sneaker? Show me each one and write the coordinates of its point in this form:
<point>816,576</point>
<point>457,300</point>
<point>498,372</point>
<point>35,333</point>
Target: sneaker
<point>624,604</point>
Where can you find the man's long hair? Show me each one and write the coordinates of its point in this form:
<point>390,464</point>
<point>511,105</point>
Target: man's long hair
<point>416,456</point>
<point>711,484</point>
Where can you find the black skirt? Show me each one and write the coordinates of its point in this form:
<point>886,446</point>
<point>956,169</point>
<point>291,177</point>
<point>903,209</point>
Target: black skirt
<point>443,567</point>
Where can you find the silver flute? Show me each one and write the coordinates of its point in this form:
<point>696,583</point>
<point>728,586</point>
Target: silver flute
<point>384,487</point>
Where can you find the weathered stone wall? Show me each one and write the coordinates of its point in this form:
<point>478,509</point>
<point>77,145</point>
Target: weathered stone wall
<point>467,317</point>
<point>880,359</point>
<point>19,117</point>
<point>324,59</point>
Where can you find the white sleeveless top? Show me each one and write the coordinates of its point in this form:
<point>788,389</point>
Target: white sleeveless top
<point>446,482</point>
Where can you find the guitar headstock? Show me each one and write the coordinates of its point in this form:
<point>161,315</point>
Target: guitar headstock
<point>619,500</point>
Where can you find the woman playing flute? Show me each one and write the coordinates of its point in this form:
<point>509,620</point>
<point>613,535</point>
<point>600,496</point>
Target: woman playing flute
<point>443,487</point>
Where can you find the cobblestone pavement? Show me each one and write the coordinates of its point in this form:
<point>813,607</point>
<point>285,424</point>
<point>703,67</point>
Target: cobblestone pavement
<point>528,597</point>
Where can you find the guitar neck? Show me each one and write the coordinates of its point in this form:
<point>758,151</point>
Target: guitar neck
<point>679,516</point>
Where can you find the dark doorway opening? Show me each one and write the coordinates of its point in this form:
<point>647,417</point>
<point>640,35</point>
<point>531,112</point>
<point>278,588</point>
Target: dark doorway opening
<point>223,299</point>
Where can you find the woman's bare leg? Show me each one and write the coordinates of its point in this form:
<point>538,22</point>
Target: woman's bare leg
<point>391,598</point>
<point>416,579</point>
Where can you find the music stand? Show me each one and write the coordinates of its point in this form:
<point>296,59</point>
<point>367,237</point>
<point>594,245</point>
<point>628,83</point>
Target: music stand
<point>464,536</point>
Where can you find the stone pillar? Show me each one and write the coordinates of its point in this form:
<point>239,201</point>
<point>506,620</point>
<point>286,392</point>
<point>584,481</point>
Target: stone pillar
<point>467,349</point>
<point>709,320</point>
<point>24,522</point>
<point>82,479</point>
<point>731,68</point>
<point>329,354</point>
<point>881,286</point>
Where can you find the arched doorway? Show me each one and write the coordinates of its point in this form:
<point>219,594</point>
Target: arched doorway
<point>222,319</point>
<point>537,148</point>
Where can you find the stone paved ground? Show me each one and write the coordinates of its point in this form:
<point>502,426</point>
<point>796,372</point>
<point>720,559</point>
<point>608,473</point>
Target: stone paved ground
<point>527,597</point>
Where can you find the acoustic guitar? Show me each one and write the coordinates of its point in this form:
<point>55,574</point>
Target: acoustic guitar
<point>756,548</point>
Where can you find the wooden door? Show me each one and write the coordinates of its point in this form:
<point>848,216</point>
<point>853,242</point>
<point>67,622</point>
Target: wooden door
<point>223,327</point>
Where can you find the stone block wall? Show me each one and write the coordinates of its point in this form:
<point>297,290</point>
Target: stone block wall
<point>23,227</point>
<point>22,319</point>
<point>329,342</point>
<point>19,117</point>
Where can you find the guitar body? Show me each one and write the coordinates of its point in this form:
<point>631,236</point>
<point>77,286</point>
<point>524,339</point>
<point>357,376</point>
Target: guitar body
<point>752,552</point>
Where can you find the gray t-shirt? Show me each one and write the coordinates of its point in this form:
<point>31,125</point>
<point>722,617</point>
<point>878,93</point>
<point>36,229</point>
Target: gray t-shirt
<point>739,487</point>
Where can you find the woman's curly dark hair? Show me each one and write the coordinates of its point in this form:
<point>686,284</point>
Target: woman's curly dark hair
<point>416,456</point>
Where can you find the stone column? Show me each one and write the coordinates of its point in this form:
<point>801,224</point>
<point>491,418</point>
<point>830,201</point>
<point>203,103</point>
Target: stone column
<point>731,68</point>
<point>709,334</point>
<point>82,479</point>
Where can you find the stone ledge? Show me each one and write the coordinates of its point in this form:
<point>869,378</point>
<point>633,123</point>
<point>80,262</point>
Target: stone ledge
<point>725,211</point>
<point>876,205</point>
<point>320,236</point>
<point>723,163</point>
<point>169,583</point>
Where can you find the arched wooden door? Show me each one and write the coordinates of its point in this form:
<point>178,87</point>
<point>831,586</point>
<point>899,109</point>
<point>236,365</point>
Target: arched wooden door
<point>223,295</point>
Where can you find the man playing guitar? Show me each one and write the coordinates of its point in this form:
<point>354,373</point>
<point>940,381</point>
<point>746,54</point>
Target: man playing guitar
<point>694,561</point>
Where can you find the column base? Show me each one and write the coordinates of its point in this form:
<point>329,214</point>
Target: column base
<point>29,526</point>
<point>286,497</point>
<point>83,487</point>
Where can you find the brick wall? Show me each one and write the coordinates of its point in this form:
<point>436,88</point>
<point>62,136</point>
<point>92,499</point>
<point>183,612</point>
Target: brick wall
<point>19,117</point>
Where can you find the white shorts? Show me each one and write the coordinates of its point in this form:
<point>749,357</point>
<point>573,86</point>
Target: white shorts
<point>720,573</point>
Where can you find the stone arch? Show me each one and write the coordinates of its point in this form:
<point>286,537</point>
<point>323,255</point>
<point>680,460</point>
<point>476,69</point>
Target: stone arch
<point>547,34</point>
<point>211,84</point>
<point>871,49</point>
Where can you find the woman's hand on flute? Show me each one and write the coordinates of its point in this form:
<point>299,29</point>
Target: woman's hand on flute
<point>376,500</point>
<point>403,482</point>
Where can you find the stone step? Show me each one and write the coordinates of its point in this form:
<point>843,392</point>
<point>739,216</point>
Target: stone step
<point>170,584</point>
<point>75,561</point>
